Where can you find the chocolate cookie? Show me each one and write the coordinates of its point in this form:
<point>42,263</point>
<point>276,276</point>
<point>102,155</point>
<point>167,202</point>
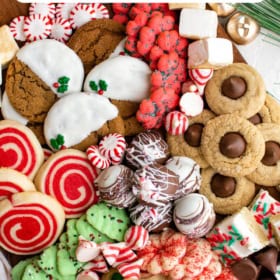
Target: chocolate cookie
<point>188,145</point>
<point>96,40</point>
<point>232,89</point>
<point>268,169</point>
<point>228,194</point>
<point>232,145</point>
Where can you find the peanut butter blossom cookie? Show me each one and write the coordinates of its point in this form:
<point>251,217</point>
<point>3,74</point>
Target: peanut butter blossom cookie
<point>232,89</point>
<point>232,145</point>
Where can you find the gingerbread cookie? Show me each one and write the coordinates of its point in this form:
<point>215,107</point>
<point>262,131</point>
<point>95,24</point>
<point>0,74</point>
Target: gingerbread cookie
<point>96,40</point>
<point>232,89</point>
<point>232,145</point>
<point>188,144</point>
<point>42,72</point>
<point>268,169</point>
<point>227,194</point>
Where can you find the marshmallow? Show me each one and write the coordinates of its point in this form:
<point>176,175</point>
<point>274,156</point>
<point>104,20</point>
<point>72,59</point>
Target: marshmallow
<point>8,46</point>
<point>198,23</point>
<point>210,53</point>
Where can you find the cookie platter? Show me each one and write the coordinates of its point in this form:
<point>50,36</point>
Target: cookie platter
<point>136,143</point>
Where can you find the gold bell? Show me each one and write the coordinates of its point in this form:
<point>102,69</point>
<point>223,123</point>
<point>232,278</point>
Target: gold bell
<point>242,28</point>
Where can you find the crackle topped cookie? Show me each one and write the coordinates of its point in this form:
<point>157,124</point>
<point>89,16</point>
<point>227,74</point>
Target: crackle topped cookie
<point>232,89</point>
<point>268,169</point>
<point>232,145</point>
<point>227,194</point>
<point>188,144</point>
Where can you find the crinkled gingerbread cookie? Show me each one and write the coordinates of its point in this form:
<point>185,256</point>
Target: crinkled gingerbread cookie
<point>232,89</point>
<point>188,144</point>
<point>228,194</point>
<point>232,145</point>
<point>268,169</point>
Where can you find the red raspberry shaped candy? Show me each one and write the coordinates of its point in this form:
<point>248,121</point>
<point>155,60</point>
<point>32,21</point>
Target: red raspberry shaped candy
<point>166,97</point>
<point>168,62</point>
<point>155,53</point>
<point>121,18</point>
<point>121,8</point>
<point>167,40</point>
<point>143,47</point>
<point>130,46</point>
<point>147,35</point>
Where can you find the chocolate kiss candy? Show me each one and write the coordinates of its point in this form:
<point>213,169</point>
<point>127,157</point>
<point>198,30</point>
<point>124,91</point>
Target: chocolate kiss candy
<point>245,270</point>
<point>234,87</point>
<point>232,145</point>
<point>256,119</point>
<point>272,153</point>
<point>223,186</point>
<point>268,259</point>
<point>193,134</point>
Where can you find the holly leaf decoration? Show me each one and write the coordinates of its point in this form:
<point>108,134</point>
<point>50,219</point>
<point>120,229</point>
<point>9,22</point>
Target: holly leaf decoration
<point>57,142</point>
<point>62,88</point>
<point>93,85</point>
<point>60,139</point>
<point>103,85</point>
<point>54,144</point>
<point>63,80</point>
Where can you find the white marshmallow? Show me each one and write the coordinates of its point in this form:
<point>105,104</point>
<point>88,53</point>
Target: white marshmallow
<point>210,53</point>
<point>198,23</point>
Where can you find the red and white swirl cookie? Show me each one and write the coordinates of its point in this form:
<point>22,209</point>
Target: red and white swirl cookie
<point>69,177</point>
<point>29,222</point>
<point>19,148</point>
<point>12,181</point>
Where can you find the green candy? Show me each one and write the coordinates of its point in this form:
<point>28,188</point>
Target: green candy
<point>110,220</point>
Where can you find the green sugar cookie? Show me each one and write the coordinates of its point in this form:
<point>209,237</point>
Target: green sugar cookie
<point>110,220</point>
<point>34,272</point>
<point>72,237</point>
<point>18,270</point>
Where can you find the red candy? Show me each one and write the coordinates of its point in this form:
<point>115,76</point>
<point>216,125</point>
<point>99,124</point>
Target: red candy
<point>136,237</point>
<point>131,270</point>
<point>16,28</point>
<point>96,158</point>
<point>98,264</point>
<point>61,30</point>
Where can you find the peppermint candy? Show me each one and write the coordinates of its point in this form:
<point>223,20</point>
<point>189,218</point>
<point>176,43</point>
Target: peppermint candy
<point>200,77</point>
<point>81,14</point>
<point>131,270</point>
<point>87,275</point>
<point>112,251</point>
<point>63,10</point>
<point>100,10</point>
<point>191,104</point>
<point>61,30</point>
<point>98,264</point>
<point>176,123</point>
<point>86,250</point>
<point>16,28</point>
<point>96,158</point>
<point>36,27</point>
<point>43,9</point>
<point>125,255</point>
<point>136,237</point>
<point>113,147</point>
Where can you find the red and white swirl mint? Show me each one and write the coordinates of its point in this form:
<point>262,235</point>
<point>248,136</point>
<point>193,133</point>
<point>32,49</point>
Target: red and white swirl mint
<point>16,28</point>
<point>87,275</point>
<point>61,30</point>
<point>19,148</point>
<point>136,237</point>
<point>200,77</point>
<point>98,264</point>
<point>12,181</point>
<point>96,158</point>
<point>81,14</point>
<point>43,9</point>
<point>63,10</point>
<point>25,211</point>
<point>113,147</point>
<point>69,177</point>
<point>191,104</point>
<point>176,123</point>
<point>36,27</point>
<point>131,270</point>
<point>86,250</point>
<point>100,10</point>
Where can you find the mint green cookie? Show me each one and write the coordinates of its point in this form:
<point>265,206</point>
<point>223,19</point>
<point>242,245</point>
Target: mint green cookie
<point>18,269</point>
<point>34,272</point>
<point>110,220</point>
<point>72,237</point>
<point>90,233</point>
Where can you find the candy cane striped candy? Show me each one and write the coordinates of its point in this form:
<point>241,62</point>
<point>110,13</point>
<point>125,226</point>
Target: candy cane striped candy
<point>100,10</point>
<point>191,104</point>
<point>86,250</point>
<point>63,10</point>
<point>98,264</point>
<point>131,270</point>
<point>176,123</point>
<point>12,181</point>
<point>81,14</point>
<point>189,86</point>
<point>61,30</point>
<point>136,237</point>
<point>16,28</point>
<point>111,251</point>
<point>29,222</point>
<point>69,177</point>
<point>19,148</point>
<point>87,275</point>
<point>96,158</point>
<point>125,255</point>
<point>200,77</point>
<point>113,147</point>
<point>43,9</point>
<point>36,27</point>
